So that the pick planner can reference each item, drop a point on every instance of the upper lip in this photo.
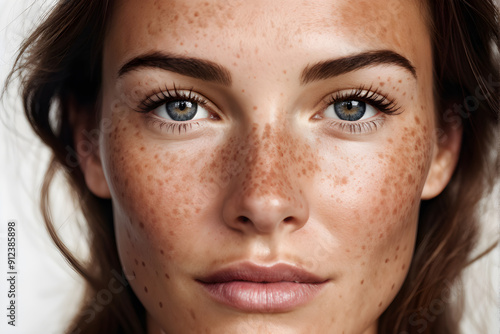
(250, 272)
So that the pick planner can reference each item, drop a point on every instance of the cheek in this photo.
(372, 191)
(150, 185)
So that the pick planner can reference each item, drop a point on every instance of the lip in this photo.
(254, 288)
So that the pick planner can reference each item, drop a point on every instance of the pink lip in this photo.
(253, 288)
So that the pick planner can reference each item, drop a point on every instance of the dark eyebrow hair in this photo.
(192, 67)
(331, 68)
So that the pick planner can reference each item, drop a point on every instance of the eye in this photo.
(181, 110)
(350, 110)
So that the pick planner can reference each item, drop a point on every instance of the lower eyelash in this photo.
(170, 126)
(357, 127)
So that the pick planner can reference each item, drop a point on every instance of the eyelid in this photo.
(162, 96)
(373, 97)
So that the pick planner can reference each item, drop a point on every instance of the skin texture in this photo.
(312, 194)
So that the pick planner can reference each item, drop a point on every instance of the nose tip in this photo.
(266, 214)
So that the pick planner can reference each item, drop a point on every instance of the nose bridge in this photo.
(266, 173)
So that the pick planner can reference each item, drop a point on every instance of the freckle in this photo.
(136, 262)
(403, 266)
(254, 107)
(242, 90)
(133, 273)
(141, 224)
(344, 180)
(396, 257)
(162, 252)
(381, 235)
(397, 248)
(146, 289)
(379, 305)
(166, 276)
(142, 148)
(161, 304)
(191, 312)
(390, 140)
(196, 14)
(363, 247)
(400, 81)
(382, 83)
(284, 71)
(196, 45)
(362, 281)
(386, 260)
(143, 264)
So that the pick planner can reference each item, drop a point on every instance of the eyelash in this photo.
(367, 95)
(168, 95)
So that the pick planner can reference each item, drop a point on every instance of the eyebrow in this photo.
(192, 67)
(332, 68)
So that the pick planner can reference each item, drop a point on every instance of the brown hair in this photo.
(61, 62)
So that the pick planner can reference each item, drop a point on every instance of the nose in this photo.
(267, 195)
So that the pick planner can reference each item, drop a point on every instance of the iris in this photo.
(350, 110)
(181, 110)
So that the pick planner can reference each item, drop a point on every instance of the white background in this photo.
(48, 292)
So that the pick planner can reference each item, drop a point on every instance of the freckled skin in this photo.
(266, 181)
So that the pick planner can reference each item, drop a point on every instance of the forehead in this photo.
(272, 30)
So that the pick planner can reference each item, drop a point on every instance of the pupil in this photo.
(182, 106)
(349, 105)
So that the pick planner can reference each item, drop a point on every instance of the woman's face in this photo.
(266, 159)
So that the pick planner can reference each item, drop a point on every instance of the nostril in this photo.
(243, 219)
(288, 219)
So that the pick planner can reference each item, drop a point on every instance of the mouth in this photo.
(252, 288)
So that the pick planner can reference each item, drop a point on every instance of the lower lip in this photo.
(263, 297)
